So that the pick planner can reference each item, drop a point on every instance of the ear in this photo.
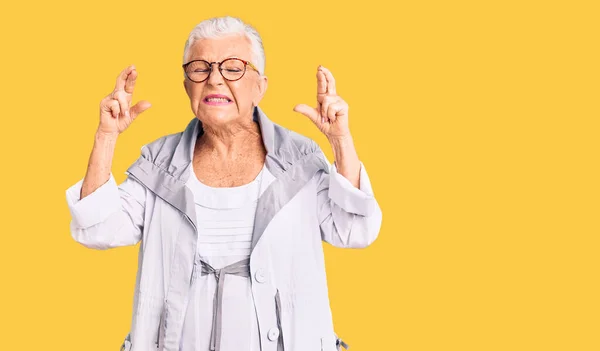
(261, 86)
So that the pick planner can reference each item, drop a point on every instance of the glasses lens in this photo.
(197, 71)
(233, 69)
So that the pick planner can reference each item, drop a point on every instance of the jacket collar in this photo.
(166, 164)
(180, 164)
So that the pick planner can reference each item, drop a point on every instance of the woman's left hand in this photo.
(331, 113)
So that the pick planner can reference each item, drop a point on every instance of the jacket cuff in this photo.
(95, 207)
(360, 200)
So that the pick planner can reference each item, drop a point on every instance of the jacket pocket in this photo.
(278, 313)
(126, 346)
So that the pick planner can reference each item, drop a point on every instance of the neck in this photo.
(231, 141)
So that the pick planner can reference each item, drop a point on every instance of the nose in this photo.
(215, 77)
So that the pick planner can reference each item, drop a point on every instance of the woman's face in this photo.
(242, 94)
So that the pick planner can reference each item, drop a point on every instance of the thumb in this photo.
(308, 111)
(140, 107)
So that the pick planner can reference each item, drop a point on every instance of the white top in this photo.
(225, 218)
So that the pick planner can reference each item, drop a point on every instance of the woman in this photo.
(230, 212)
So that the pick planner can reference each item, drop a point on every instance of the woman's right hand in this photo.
(115, 111)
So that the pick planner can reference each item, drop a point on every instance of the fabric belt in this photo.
(241, 269)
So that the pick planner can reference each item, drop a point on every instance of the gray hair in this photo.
(220, 27)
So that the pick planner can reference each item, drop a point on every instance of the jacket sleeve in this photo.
(111, 216)
(349, 217)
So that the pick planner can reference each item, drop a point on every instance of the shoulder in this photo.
(293, 145)
(295, 148)
(159, 150)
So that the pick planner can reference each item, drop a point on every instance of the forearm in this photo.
(346, 159)
(99, 164)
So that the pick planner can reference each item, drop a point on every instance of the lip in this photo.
(217, 103)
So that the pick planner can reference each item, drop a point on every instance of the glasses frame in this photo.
(220, 64)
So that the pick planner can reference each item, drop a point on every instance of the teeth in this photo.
(217, 99)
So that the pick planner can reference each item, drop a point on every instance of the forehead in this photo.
(221, 48)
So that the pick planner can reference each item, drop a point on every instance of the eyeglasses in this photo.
(231, 69)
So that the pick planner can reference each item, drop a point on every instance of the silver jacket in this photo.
(307, 203)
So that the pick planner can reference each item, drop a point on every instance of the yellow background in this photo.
(478, 122)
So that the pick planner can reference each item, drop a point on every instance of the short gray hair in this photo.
(219, 27)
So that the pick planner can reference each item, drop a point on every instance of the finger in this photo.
(130, 82)
(324, 118)
(333, 110)
(120, 97)
(327, 100)
(140, 107)
(331, 90)
(113, 107)
(122, 78)
(321, 84)
(308, 111)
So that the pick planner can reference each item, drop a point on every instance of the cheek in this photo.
(244, 93)
(196, 93)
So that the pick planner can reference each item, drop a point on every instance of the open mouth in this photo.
(217, 100)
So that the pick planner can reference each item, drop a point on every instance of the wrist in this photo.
(104, 137)
(340, 141)
(344, 153)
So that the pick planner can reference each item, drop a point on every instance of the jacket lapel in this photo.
(282, 190)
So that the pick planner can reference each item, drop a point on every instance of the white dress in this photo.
(225, 218)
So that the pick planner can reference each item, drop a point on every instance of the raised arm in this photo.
(349, 215)
(105, 215)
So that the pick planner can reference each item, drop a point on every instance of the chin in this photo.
(215, 117)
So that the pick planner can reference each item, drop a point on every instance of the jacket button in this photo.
(273, 334)
(260, 276)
